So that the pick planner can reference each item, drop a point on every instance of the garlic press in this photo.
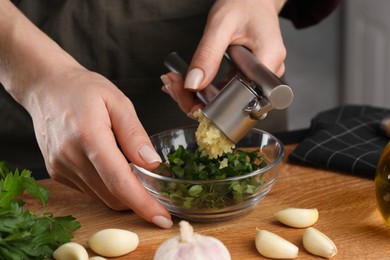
(242, 93)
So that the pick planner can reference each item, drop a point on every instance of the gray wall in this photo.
(313, 68)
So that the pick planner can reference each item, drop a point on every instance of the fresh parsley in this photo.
(184, 164)
(23, 233)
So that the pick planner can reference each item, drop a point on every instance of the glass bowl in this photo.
(219, 198)
(382, 184)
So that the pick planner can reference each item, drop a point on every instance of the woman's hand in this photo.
(251, 23)
(86, 128)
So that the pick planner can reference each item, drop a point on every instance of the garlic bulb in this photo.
(297, 217)
(318, 243)
(271, 245)
(191, 246)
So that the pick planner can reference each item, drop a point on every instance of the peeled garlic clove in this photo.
(318, 243)
(113, 242)
(191, 246)
(97, 258)
(70, 251)
(296, 217)
(273, 246)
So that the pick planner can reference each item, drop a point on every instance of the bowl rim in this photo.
(278, 159)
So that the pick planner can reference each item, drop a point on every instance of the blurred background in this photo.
(343, 60)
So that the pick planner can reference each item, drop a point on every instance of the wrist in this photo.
(27, 55)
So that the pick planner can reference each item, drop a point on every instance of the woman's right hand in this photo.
(250, 23)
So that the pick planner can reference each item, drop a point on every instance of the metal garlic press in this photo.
(242, 93)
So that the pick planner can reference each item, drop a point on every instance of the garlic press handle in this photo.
(176, 64)
(278, 94)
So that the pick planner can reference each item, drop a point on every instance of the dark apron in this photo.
(127, 41)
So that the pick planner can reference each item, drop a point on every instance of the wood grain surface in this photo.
(347, 207)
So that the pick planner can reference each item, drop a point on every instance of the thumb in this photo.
(206, 60)
(113, 167)
(132, 137)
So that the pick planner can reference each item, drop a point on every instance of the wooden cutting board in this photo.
(347, 207)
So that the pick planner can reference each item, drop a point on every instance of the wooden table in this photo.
(348, 215)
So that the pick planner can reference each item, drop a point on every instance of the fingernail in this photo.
(191, 115)
(162, 222)
(165, 89)
(148, 154)
(164, 78)
(168, 89)
(193, 79)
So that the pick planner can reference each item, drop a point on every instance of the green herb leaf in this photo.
(184, 164)
(195, 190)
(24, 234)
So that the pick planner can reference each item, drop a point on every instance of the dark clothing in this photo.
(304, 13)
(129, 39)
(121, 39)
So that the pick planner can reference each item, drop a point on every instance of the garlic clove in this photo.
(97, 258)
(113, 242)
(191, 246)
(318, 243)
(297, 217)
(271, 245)
(70, 251)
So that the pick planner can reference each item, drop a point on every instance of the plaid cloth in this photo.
(347, 139)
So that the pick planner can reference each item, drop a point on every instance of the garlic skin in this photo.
(113, 242)
(318, 243)
(70, 251)
(273, 246)
(191, 246)
(297, 217)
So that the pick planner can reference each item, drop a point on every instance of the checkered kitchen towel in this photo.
(347, 139)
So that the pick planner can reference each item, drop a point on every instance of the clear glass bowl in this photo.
(222, 202)
(382, 184)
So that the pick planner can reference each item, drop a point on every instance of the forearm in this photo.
(26, 54)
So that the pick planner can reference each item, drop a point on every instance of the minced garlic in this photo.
(210, 139)
(224, 163)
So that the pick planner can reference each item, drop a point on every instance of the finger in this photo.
(173, 84)
(273, 58)
(272, 51)
(75, 183)
(74, 169)
(129, 132)
(82, 173)
(59, 178)
(207, 57)
(281, 70)
(122, 183)
(113, 167)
